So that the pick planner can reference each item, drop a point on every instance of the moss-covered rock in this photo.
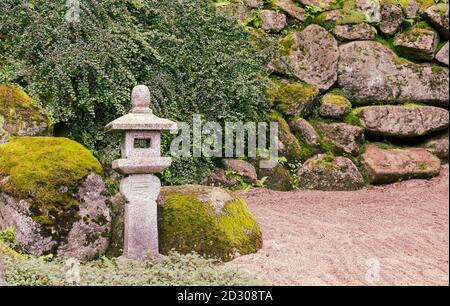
(293, 98)
(19, 116)
(50, 189)
(208, 220)
(277, 178)
(334, 105)
(288, 145)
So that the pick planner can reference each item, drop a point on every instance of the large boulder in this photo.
(334, 105)
(403, 121)
(358, 31)
(371, 9)
(276, 178)
(391, 18)
(437, 15)
(438, 145)
(312, 56)
(345, 138)
(51, 192)
(329, 173)
(370, 72)
(417, 43)
(411, 7)
(288, 145)
(210, 221)
(272, 21)
(19, 116)
(292, 9)
(293, 98)
(241, 167)
(385, 166)
(305, 131)
(442, 54)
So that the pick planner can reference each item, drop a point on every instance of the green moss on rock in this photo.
(46, 172)
(19, 116)
(211, 221)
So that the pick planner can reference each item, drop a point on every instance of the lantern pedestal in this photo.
(141, 218)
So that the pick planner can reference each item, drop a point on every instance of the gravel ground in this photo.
(387, 235)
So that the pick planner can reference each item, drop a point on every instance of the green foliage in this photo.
(46, 172)
(172, 270)
(82, 73)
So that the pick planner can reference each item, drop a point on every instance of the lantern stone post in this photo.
(141, 159)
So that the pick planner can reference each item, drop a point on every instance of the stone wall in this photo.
(360, 89)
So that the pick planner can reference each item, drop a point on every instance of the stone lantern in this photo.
(141, 158)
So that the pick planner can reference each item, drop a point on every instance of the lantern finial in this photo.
(140, 100)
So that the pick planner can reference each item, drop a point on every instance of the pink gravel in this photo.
(388, 235)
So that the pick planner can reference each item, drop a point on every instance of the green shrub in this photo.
(82, 73)
(173, 270)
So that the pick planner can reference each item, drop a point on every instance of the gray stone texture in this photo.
(242, 167)
(403, 121)
(417, 43)
(141, 229)
(291, 9)
(345, 137)
(371, 9)
(385, 166)
(359, 31)
(369, 72)
(324, 172)
(442, 55)
(391, 19)
(305, 131)
(437, 15)
(272, 21)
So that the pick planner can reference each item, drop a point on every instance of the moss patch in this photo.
(16, 105)
(46, 172)
(210, 221)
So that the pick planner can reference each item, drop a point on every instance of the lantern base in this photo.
(142, 165)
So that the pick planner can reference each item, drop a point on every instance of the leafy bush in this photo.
(82, 72)
(172, 270)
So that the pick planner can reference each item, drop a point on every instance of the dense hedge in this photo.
(82, 73)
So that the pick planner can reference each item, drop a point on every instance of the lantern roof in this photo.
(141, 116)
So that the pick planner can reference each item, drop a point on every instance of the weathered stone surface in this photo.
(86, 237)
(391, 19)
(235, 11)
(51, 191)
(241, 167)
(140, 220)
(385, 166)
(293, 98)
(417, 43)
(411, 9)
(18, 115)
(325, 172)
(369, 71)
(403, 121)
(2, 272)
(218, 178)
(254, 3)
(438, 146)
(359, 31)
(442, 55)
(210, 221)
(313, 56)
(277, 178)
(438, 16)
(321, 4)
(306, 132)
(292, 9)
(334, 105)
(371, 8)
(272, 21)
(288, 144)
(346, 138)
(89, 234)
